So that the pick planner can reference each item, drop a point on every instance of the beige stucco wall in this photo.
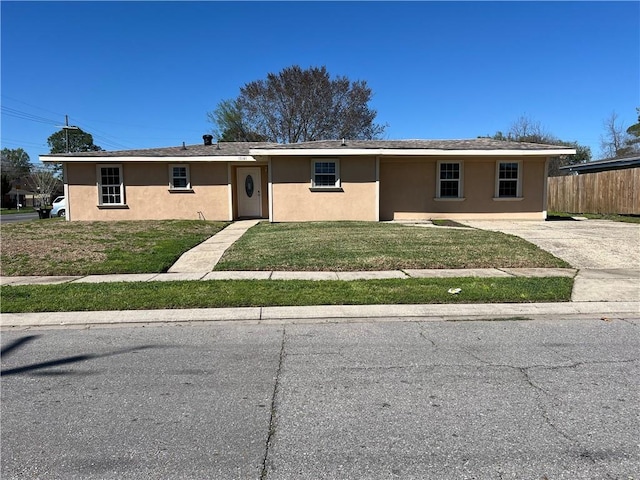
(408, 190)
(147, 193)
(293, 200)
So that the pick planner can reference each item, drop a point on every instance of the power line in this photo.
(99, 135)
(30, 105)
(21, 143)
(12, 112)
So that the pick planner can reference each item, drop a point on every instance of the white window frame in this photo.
(120, 186)
(337, 183)
(499, 180)
(460, 180)
(172, 177)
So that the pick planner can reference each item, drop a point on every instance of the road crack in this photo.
(273, 413)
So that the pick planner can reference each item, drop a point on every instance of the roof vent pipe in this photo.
(208, 139)
(344, 142)
(184, 147)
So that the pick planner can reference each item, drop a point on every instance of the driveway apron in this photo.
(606, 253)
(593, 244)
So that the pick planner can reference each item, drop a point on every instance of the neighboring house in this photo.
(603, 165)
(610, 186)
(18, 196)
(369, 180)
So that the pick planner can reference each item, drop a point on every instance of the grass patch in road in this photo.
(595, 216)
(352, 246)
(55, 247)
(262, 293)
(448, 223)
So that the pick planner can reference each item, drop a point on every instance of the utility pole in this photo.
(66, 131)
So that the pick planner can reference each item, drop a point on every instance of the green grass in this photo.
(13, 211)
(349, 246)
(595, 216)
(447, 223)
(55, 247)
(252, 293)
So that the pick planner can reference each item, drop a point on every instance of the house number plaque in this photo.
(248, 186)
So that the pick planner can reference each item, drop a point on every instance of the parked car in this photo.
(59, 207)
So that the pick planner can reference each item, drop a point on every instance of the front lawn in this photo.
(352, 246)
(56, 247)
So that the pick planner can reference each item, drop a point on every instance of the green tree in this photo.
(633, 133)
(15, 166)
(297, 105)
(5, 187)
(525, 129)
(15, 163)
(78, 141)
(231, 127)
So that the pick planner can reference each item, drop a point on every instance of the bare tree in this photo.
(525, 129)
(297, 105)
(44, 183)
(615, 140)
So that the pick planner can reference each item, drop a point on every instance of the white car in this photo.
(59, 207)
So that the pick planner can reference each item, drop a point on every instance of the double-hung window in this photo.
(508, 179)
(449, 180)
(110, 185)
(179, 177)
(325, 174)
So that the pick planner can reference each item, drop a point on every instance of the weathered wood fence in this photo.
(614, 191)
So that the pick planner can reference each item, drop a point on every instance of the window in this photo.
(449, 180)
(179, 177)
(508, 180)
(325, 174)
(110, 186)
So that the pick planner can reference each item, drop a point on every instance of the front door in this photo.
(248, 183)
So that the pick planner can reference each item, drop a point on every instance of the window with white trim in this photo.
(325, 174)
(508, 179)
(449, 180)
(110, 185)
(179, 178)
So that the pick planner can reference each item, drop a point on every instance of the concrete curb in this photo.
(328, 313)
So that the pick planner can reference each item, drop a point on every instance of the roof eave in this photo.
(146, 159)
(408, 152)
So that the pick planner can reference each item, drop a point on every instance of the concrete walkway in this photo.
(202, 258)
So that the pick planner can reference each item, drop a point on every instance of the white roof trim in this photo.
(315, 152)
(145, 159)
(407, 152)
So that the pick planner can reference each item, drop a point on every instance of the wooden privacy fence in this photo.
(614, 191)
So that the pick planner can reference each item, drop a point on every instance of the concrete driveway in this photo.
(606, 253)
(585, 244)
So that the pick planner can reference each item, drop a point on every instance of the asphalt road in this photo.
(372, 400)
(18, 217)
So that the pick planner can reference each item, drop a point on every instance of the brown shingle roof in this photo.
(244, 148)
(220, 149)
(465, 144)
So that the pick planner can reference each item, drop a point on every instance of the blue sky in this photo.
(145, 74)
